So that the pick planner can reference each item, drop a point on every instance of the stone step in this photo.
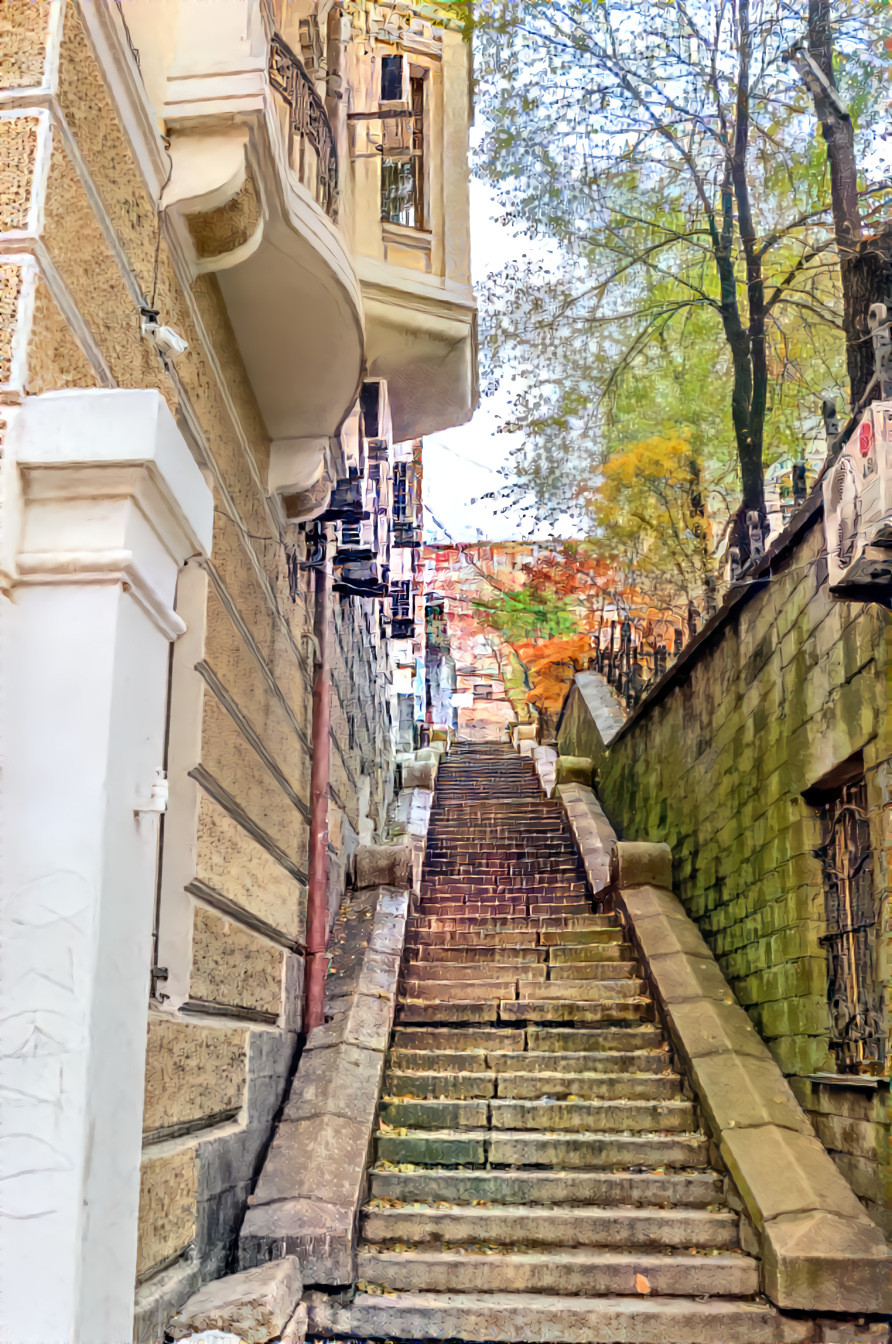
(554, 1320)
(570, 1063)
(469, 954)
(458, 1011)
(573, 937)
(571, 1272)
(431, 1085)
(455, 1013)
(584, 990)
(596, 988)
(605, 968)
(490, 970)
(588, 1086)
(438, 1061)
(615, 1115)
(681, 1189)
(416, 988)
(523, 937)
(584, 919)
(576, 953)
(572, 1010)
(418, 937)
(452, 859)
(448, 1038)
(433, 1114)
(562, 1151)
(532, 1086)
(592, 970)
(555, 895)
(557, 1040)
(533, 1225)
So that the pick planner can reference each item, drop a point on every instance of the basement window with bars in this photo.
(857, 1028)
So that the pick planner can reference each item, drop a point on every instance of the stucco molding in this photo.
(104, 495)
(83, 710)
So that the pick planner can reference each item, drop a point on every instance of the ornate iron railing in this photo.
(857, 1030)
(309, 125)
(630, 660)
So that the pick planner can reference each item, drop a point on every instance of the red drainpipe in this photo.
(317, 891)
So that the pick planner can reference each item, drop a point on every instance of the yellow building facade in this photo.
(235, 274)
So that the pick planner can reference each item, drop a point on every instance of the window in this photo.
(857, 1035)
(391, 79)
(400, 492)
(402, 177)
(370, 406)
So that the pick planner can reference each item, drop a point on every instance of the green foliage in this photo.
(611, 137)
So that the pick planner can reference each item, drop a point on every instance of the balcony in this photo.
(255, 191)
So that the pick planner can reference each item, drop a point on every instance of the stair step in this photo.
(535, 1226)
(586, 1086)
(462, 989)
(456, 1011)
(557, 1040)
(572, 1010)
(511, 923)
(432, 1085)
(555, 1319)
(571, 1063)
(491, 970)
(591, 970)
(424, 1010)
(678, 1189)
(456, 1038)
(572, 1272)
(506, 1148)
(591, 988)
(471, 955)
(613, 1115)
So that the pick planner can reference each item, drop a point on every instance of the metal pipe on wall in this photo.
(317, 891)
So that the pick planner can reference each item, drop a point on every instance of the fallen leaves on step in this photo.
(641, 1284)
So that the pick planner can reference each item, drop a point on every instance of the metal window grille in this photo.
(856, 1006)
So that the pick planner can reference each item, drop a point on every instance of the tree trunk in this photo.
(751, 468)
(839, 135)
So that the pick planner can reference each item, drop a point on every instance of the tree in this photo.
(666, 155)
(652, 523)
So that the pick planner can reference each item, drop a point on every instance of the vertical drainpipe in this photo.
(317, 892)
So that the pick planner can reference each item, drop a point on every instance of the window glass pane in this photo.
(391, 79)
(398, 194)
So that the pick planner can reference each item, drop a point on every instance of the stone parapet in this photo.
(313, 1182)
(819, 1249)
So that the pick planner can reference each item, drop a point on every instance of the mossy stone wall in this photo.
(792, 684)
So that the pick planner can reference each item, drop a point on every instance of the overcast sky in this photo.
(461, 465)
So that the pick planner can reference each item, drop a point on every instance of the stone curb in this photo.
(820, 1251)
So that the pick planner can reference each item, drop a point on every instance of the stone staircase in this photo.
(539, 1174)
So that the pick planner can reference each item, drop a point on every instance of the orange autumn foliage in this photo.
(552, 665)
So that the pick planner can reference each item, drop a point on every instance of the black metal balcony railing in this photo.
(309, 125)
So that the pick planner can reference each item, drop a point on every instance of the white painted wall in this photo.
(103, 504)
